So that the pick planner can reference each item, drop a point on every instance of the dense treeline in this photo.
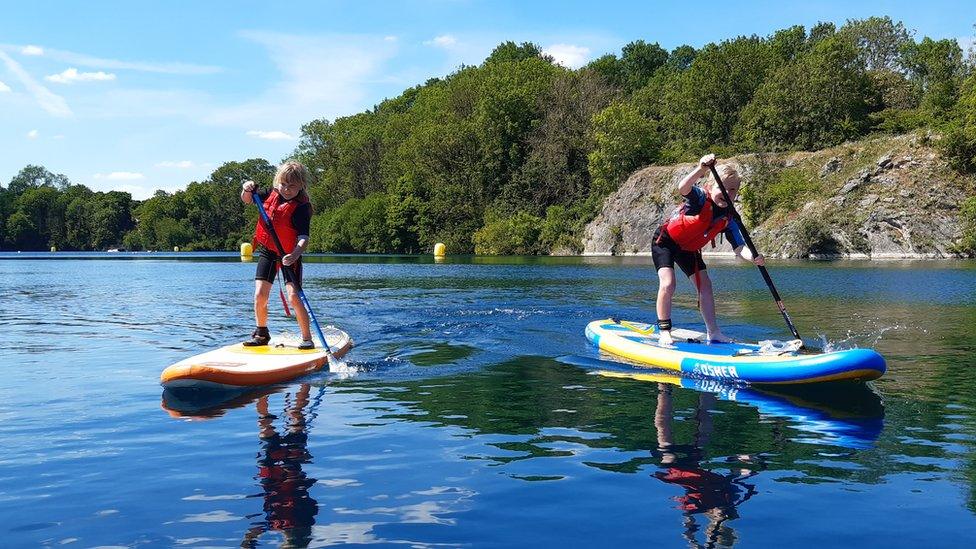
(515, 155)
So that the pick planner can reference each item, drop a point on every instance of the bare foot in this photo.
(718, 337)
(664, 338)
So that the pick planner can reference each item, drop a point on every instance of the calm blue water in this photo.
(472, 419)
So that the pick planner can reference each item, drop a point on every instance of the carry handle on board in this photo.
(289, 274)
(752, 248)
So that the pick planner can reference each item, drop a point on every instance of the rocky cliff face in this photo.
(888, 197)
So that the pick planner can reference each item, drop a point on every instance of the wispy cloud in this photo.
(32, 134)
(445, 41)
(120, 176)
(89, 61)
(568, 55)
(54, 104)
(70, 76)
(181, 164)
(4, 87)
(272, 135)
(321, 76)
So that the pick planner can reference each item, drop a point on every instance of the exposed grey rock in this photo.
(884, 161)
(832, 166)
(850, 186)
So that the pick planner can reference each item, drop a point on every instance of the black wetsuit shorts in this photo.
(269, 263)
(666, 253)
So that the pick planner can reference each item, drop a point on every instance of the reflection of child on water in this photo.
(706, 492)
(288, 507)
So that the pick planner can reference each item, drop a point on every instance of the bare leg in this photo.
(300, 313)
(707, 304)
(262, 289)
(665, 293)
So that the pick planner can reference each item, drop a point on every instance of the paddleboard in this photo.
(236, 366)
(691, 355)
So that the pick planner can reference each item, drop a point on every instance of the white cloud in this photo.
(4, 87)
(83, 60)
(390, 38)
(445, 41)
(54, 104)
(70, 76)
(273, 135)
(967, 43)
(32, 134)
(120, 176)
(181, 164)
(568, 55)
(320, 76)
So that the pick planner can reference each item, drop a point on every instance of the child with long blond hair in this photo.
(290, 211)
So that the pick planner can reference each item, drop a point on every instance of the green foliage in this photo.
(517, 234)
(813, 237)
(705, 101)
(936, 68)
(967, 216)
(359, 225)
(819, 100)
(623, 141)
(879, 42)
(959, 142)
(769, 191)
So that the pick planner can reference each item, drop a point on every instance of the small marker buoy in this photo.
(440, 250)
(246, 249)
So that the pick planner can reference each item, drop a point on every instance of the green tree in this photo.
(624, 140)
(879, 42)
(705, 101)
(819, 100)
(639, 61)
(936, 67)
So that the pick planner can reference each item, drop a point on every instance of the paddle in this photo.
(289, 275)
(752, 248)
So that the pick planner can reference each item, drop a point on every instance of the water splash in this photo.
(853, 340)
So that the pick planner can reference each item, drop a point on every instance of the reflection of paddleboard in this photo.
(846, 414)
(731, 361)
(236, 366)
(204, 403)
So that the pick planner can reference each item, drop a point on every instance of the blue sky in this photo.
(139, 96)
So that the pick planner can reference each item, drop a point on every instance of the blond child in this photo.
(290, 211)
(702, 216)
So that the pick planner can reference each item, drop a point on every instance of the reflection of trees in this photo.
(527, 398)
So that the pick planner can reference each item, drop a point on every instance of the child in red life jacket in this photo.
(703, 216)
(290, 212)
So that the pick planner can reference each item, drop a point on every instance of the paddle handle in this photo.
(286, 270)
(755, 253)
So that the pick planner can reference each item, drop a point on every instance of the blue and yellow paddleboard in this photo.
(690, 355)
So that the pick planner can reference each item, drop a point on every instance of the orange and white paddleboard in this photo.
(236, 366)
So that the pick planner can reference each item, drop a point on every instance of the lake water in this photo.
(466, 418)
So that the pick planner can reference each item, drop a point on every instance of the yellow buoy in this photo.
(176, 248)
(440, 250)
(54, 248)
(246, 249)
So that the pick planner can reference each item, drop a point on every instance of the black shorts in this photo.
(665, 253)
(268, 264)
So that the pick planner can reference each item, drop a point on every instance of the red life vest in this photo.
(692, 232)
(279, 210)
